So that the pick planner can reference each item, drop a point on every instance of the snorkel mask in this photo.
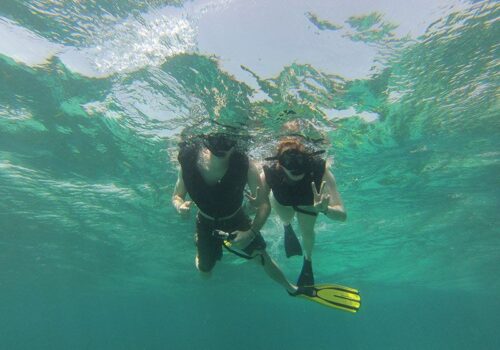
(295, 161)
(218, 144)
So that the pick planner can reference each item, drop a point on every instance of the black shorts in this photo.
(209, 248)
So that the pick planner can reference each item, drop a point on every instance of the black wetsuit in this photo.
(223, 199)
(295, 193)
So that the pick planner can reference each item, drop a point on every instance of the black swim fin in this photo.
(332, 295)
(306, 277)
(292, 244)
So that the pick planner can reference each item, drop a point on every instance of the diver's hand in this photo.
(321, 200)
(184, 208)
(243, 238)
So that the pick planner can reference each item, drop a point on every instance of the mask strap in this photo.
(321, 151)
(276, 157)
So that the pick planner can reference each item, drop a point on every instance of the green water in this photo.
(94, 96)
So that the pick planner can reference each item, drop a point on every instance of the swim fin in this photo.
(292, 244)
(306, 277)
(332, 295)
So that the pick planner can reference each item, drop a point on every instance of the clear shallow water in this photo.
(93, 98)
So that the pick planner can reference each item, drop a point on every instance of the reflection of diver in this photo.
(214, 172)
(301, 183)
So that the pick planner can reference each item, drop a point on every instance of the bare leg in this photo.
(285, 213)
(273, 271)
(306, 224)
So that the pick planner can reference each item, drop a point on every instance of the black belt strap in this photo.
(240, 254)
(304, 211)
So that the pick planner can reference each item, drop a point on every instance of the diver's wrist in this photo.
(178, 202)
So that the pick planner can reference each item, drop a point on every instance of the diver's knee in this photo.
(204, 268)
(307, 231)
(260, 257)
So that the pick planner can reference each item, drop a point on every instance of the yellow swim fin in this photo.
(332, 295)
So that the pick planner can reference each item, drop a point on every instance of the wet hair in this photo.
(289, 143)
(294, 156)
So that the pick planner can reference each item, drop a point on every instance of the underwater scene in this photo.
(95, 97)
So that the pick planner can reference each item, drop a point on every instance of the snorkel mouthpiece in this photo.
(296, 172)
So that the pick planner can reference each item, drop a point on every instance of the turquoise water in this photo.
(94, 96)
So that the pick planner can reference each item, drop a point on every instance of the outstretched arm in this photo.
(261, 197)
(178, 198)
(261, 201)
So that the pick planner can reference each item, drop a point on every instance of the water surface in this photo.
(94, 96)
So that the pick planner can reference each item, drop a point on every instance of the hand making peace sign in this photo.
(321, 199)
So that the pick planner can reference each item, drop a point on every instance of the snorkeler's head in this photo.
(293, 156)
(295, 161)
(219, 143)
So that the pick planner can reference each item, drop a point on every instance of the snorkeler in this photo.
(214, 172)
(301, 184)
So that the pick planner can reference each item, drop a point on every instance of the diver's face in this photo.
(222, 154)
(294, 163)
(219, 145)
